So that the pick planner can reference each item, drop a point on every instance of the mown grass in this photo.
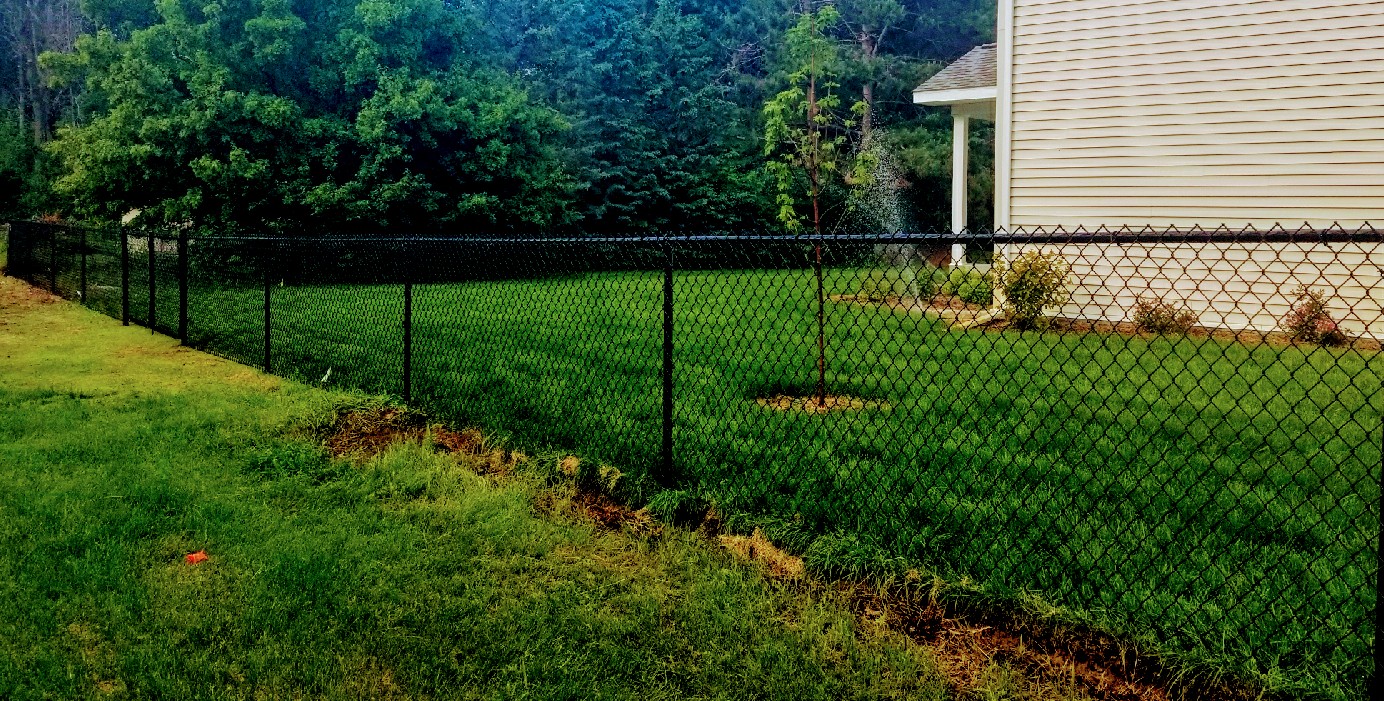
(1214, 498)
(405, 576)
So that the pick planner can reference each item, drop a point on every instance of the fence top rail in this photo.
(1032, 236)
(1367, 233)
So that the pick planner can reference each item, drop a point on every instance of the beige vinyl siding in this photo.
(1186, 113)
(1227, 286)
(1193, 112)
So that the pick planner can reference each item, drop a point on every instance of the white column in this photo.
(961, 159)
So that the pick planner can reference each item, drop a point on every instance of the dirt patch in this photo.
(15, 294)
(611, 515)
(756, 548)
(811, 405)
(970, 643)
(363, 434)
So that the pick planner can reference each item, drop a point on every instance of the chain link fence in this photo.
(1172, 436)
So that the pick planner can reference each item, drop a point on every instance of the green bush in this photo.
(1157, 316)
(1032, 282)
(972, 286)
(879, 284)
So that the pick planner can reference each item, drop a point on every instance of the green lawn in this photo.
(1213, 497)
(406, 576)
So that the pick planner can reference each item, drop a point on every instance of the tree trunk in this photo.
(867, 117)
(868, 48)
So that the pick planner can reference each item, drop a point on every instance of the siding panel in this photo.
(1193, 112)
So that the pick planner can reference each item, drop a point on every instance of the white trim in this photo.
(976, 110)
(951, 97)
(1004, 114)
(961, 161)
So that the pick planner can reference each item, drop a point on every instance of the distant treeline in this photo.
(578, 116)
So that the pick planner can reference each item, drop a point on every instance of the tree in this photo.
(868, 23)
(244, 115)
(805, 139)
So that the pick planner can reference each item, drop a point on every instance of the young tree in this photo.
(805, 139)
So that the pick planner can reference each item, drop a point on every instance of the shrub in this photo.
(1157, 316)
(977, 290)
(971, 286)
(1031, 282)
(1309, 320)
(906, 281)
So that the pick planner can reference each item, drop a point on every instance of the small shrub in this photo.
(907, 281)
(1157, 316)
(1310, 321)
(971, 286)
(1032, 282)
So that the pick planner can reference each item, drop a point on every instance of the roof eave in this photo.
(940, 98)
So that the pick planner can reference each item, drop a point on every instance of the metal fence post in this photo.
(124, 276)
(153, 288)
(667, 477)
(53, 261)
(182, 287)
(268, 300)
(1377, 683)
(408, 340)
(82, 282)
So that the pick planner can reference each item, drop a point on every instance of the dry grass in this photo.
(758, 549)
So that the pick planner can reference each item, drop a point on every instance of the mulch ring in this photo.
(935, 303)
(811, 405)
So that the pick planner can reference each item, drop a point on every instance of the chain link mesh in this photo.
(1183, 447)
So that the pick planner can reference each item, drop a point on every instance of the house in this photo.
(1182, 115)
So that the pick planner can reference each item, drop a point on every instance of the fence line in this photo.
(1184, 448)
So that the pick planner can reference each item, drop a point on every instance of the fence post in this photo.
(82, 283)
(124, 276)
(408, 339)
(268, 300)
(153, 288)
(667, 478)
(1377, 684)
(53, 260)
(182, 287)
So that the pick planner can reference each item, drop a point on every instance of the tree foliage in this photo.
(577, 115)
(806, 131)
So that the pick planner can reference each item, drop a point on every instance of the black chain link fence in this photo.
(1182, 445)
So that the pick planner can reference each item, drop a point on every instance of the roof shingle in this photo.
(974, 70)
